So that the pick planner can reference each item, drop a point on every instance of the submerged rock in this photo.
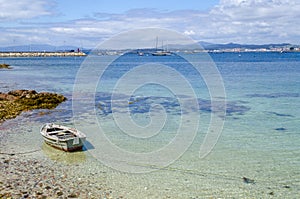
(248, 180)
(281, 129)
(14, 102)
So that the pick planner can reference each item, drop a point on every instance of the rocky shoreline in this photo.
(34, 173)
(15, 102)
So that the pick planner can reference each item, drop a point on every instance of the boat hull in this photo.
(63, 138)
(67, 145)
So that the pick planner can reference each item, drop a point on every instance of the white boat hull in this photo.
(64, 138)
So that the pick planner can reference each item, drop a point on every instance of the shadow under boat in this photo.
(74, 157)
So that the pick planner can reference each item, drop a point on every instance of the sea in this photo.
(189, 125)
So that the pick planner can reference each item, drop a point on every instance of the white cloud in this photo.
(23, 9)
(189, 32)
(242, 21)
(258, 21)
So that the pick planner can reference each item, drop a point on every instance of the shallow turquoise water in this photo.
(260, 139)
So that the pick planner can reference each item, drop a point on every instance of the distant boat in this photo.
(161, 52)
(62, 137)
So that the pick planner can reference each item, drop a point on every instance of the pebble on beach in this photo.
(22, 176)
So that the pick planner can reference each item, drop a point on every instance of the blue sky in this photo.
(88, 22)
(70, 8)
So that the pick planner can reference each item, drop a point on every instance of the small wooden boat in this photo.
(62, 137)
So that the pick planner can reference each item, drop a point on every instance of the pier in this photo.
(42, 54)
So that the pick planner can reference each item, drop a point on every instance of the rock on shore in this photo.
(5, 66)
(14, 102)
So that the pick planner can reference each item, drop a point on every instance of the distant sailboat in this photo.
(161, 52)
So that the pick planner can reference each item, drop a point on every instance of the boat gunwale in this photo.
(60, 142)
(72, 131)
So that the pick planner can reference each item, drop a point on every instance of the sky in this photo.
(85, 23)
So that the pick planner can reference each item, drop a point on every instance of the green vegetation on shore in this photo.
(15, 102)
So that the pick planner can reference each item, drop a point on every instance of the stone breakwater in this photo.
(42, 54)
(14, 102)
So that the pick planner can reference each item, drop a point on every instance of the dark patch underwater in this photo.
(141, 105)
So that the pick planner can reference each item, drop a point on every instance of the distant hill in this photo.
(210, 46)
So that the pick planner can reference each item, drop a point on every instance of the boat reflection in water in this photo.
(61, 156)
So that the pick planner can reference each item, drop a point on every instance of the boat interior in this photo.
(60, 133)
